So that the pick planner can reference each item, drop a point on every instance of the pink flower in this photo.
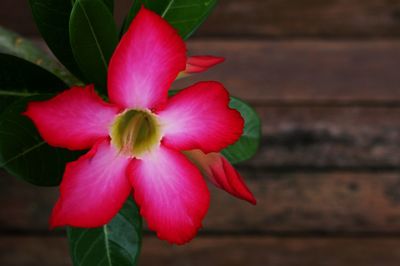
(141, 141)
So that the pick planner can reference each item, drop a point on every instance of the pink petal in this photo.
(197, 64)
(221, 173)
(199, 118)
(146, 62)
(93, 188)
(171, 193)
(75, 119)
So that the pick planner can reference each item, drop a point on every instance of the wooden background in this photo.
(324, 75)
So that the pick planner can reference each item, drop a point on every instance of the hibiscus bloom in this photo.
(142, 142)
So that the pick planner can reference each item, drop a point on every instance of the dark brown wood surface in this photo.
(296, 202)
(305, 18)
(266, 18)
(222, 251)
(305, 71)
(329, 137)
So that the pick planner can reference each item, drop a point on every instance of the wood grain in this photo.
(305, 71)
(34, 251)
(257, 251)
(326, 137)
(267, 18)
(331, 203)
(304, 18)
(223, 251)
(338, 202)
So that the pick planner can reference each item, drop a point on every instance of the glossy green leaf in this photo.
(23, 153)
(20, 78)
(13, 44)
(52, 20)
(117, 243)
(93, 39)
(184, 15)
(249, 142)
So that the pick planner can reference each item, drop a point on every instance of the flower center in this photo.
(135, 132)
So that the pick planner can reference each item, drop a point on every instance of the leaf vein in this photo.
(103, 59)
(167, 8)
(108, 251)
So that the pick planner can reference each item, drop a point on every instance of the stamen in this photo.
(135, 132)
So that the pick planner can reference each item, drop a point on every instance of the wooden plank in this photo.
(270, 18)
(34, 251)
(237, 251)
(328, 137)
(304, 18)
(311, 202)
(287, 202)
(220, 251)
(23, 206)
(304, 71)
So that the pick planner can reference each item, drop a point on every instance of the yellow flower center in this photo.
(135, 132)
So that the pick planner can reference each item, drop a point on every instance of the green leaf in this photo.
(109, 4)
(20, 78)
(249, 142)
(93, 38)
(184, 15)
(117, 243)
(52, 20)
(24, 154)
(13, 44)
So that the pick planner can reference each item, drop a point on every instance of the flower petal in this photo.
(199, 117)
(171, 193)
(198, 64)
(146, 62)
(75, 119)
(221, 173)
(93, 188)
